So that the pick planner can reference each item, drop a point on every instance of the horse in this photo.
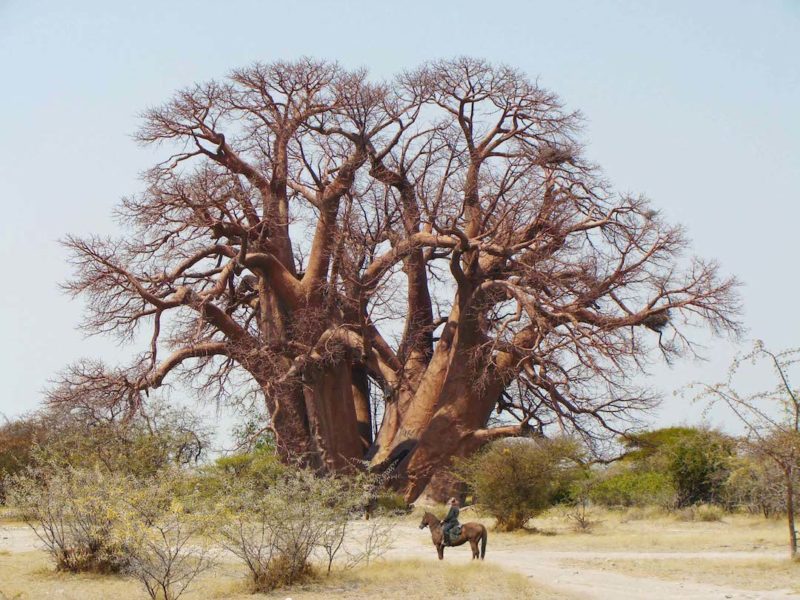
(470, 532)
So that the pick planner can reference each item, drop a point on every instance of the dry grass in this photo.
(655, 531)
(418, 579)
(746, 574)
(29, 576)
(8, 516)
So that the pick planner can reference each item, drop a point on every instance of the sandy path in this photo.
(548, 567)
(552, 569)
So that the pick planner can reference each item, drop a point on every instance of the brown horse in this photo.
(470, 532)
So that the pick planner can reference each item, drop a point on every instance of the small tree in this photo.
(515, 479)
(756, 485)
(375, 541)
(771, 418)
(274, 531)
(699, 465)
(578, 505)
(162, 534)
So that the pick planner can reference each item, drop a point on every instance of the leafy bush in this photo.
(141, 446)
(633, 488)
(73, 512)
(757, 486)
(672, 467)
(698, 465)
(391, 503)
(261, 466)
(695, 460)
(514, 480)
(18, 439)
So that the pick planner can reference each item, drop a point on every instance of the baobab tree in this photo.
(389, 264)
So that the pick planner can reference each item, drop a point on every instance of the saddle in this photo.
(451, 536)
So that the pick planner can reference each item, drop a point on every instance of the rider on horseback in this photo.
(450, 522)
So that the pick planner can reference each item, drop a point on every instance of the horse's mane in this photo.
(429, 516)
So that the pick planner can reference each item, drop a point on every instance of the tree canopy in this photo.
(386, 264)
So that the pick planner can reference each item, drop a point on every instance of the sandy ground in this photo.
(553, 568)
(560, 570)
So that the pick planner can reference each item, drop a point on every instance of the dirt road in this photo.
(553, 569)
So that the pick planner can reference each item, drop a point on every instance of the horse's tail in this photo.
(484, 535)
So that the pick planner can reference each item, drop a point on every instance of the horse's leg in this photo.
(474, 544)
(440, 550)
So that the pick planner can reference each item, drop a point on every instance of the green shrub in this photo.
(757, 486)
(164, 438)
(633, 488)
(698, 465)
(391, 503)
(696, 461)
(513, 480)
(18, 439)
(261, 466)
(73, 512)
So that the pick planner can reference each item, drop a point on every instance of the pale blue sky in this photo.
(694, 104)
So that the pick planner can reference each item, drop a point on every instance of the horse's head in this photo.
(427, 519)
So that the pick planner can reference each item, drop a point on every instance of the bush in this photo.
(141, 447)
(164, 438)
(702, 512)
(757, 486)
(262, 464)
(73, 512)
(632, 488)
(514, 480)
(18, 439)
(698, 465)
(391, 503)
(162, 537)
(695, 460)
(708, 513)
(274, 531)
(93, 521)
(262, 467)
